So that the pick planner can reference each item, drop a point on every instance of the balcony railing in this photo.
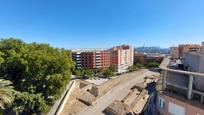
(190, 75)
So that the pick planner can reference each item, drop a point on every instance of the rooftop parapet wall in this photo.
(165, 63)
(89, 50)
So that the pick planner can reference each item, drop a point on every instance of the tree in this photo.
(100, 72)
(1, 59)
(109, 72)
(89, 72)
(133, 68)
(79, 72)
(138, 65)
(29, 103)
(136, 60)
(35, 68)
(152, 64)
(6, 93)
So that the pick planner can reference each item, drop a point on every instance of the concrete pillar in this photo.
(190, 86)
(164, 79)
(201, 100)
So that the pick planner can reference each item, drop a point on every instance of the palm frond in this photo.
(6, 93)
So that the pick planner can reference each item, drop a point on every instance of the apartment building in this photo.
(194, 62)
(140, 58)
(188, 48)
(144, 58)
(178, 52)
(177, 93)
(91, 58)
(122, 57)
(174, 52)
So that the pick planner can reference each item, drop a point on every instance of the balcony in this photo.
(187, 90)
(78, 56)
(98, 58)
(98, 66)
(98, 61)
(78, 65)
(78, 59)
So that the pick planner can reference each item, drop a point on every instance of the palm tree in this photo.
(6, 93)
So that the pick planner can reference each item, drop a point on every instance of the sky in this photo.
(103, 23)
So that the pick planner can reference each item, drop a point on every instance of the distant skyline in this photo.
(103, 23)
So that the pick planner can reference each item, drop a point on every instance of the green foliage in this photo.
(1, 59)
(88, 72)
(133, 68)
(137, 61)
(35, 68)
(79, 72)
(29, 103)
(112, 68)
(109, 72)
(100, 72)
(138, 65)
(6, 93)
(152, 64)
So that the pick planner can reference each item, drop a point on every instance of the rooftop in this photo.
(88, 50)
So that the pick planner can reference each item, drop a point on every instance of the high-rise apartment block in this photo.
(91, 58)
(122, 57)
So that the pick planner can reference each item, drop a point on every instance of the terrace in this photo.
(182, 84)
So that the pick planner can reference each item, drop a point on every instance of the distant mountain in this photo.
(153, 50)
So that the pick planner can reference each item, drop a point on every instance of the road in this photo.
(117, 93)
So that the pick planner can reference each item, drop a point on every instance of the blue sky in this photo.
(103, 23)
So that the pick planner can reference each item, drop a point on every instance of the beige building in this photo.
(122, 58)
(188, 48)
(178, 52)
(174, 51)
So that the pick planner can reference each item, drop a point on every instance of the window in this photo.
(176, 109)
(160, 103)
